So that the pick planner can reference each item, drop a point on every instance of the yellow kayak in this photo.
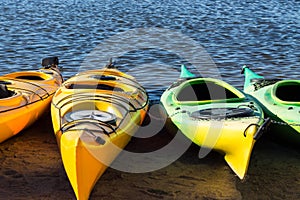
(216, 116)
(94, 115)
(24, 96)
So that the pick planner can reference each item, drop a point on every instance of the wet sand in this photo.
(31, 168)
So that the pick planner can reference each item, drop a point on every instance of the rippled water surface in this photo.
(151, 39)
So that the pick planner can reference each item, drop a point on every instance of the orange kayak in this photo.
(24, 96)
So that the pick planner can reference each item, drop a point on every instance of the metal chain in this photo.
(284, 123)
(235, 118)
(214, 119)
(181, 111)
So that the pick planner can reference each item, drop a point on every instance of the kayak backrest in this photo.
(50, 61)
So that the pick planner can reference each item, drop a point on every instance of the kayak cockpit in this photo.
(30, 75)
(207, 90)
(5, 92)
(287, 92)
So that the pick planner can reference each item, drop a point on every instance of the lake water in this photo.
(151, 39)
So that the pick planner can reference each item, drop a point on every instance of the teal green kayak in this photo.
(280, 100)
(216, 116)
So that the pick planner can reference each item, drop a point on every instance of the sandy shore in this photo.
(31, 168)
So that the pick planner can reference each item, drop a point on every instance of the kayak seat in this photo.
(289, 92)
(204, 91)
(4, 92)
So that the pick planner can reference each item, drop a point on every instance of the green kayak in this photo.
(216, 116)
(280, 100)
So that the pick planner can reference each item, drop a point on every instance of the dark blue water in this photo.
(149, 38)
